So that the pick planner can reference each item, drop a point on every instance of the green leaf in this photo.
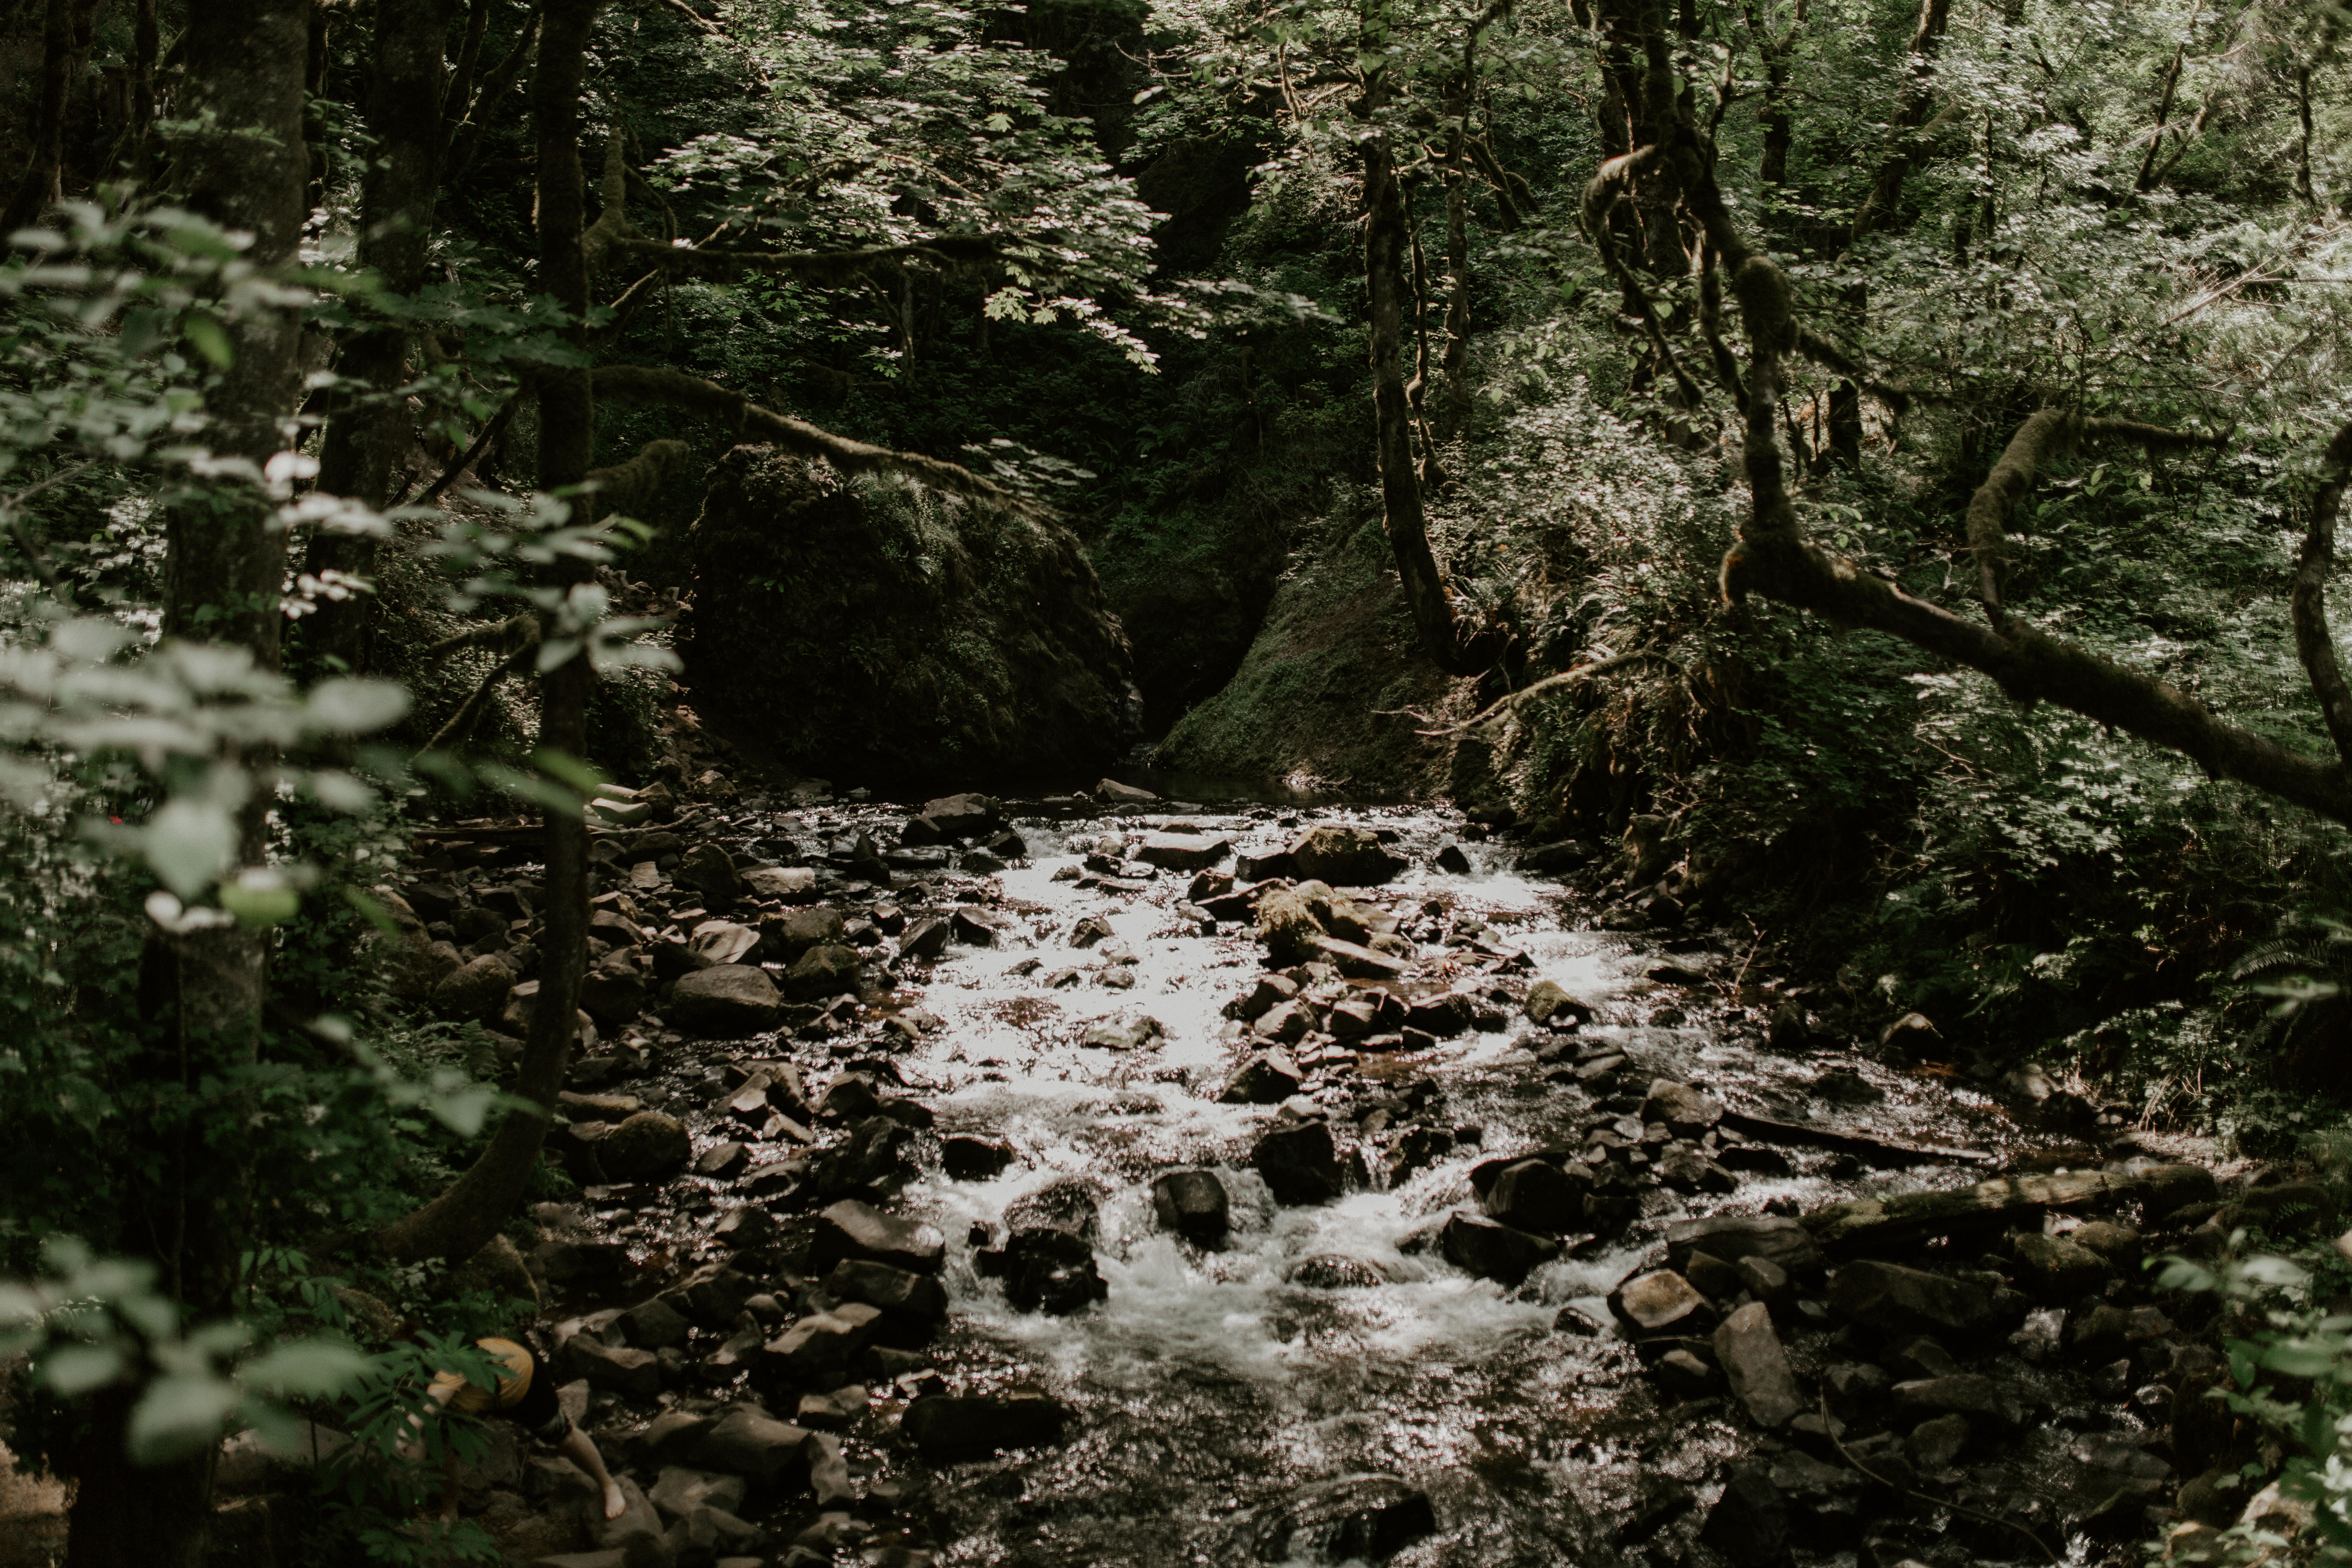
(312, 1368)
(258, 905)
(354, 707)
(188, 843)
(210, 339)
(179, 1414)
(75, 1370)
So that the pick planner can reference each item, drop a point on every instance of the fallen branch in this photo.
(1776, 1132)
(676, 389)
(1565, 678)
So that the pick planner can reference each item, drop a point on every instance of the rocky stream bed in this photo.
(1106, 1180)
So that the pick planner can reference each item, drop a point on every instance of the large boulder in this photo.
(645, 1147)
(1344, 856)
(899, 632)
(726, 1001)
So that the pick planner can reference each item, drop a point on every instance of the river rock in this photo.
(709, 870)
(1549, 999)
(1476, 1245)
(2052, 1268)
(1687, 1113)
(654, 1325)
(970, 1158)
(616, 1368)
(613, 994)
(644, 1148)
(1288, 927)
(853, 1229)
(726, 1001)
(713, 1294)
(913, 1305)
(1047, 1269)
(1344, 856)
(1935, 1445)
(825, 971)
(786, 937)
(1749, 1524)
(720, 941)
(476, 991)
(1193, 1204)
(1124, 1034)
(1362, 1518)
(1894, 1300)
(2118, 1245)
(791, 884)
(748, 1444)
(1980, 1399)
(1182, 851)
(1268, 1078)
(678, 1491)
(948, 1426)
(1270, 991)
(817, 1351)
(965, 815)
(1660, 1303)
(1359, 962)
(1536, 1195)
(1756, 1367)
(925, 940)
(1731, 1237)
(1300, 1164)
(1454, 860)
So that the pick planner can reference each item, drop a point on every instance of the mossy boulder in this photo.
(861, 626)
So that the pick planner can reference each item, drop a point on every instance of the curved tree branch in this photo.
(2315, 644)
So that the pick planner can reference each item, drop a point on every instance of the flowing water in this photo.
(1209, 1386)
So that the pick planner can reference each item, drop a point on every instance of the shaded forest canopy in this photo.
(1861, 473)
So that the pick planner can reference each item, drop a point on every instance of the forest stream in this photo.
(1358, 1364)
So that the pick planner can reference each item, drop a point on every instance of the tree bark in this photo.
(2315, 644)
(367, 434)
(461, 1221)
(1459, 648)
(37, 187)
(224, 565)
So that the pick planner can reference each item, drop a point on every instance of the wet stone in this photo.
(1182, 851)
(1687, 1113)
(1335, 1271)
(1365, 1518)
(1268, 1078)
(618, 1369)
(1046, 1270)
(1660, 1303)
(1749, 1524)
(1476, 1245)
(644, 1147)
(1300, 1164)
(1193, 1204)
(948, 1426)
(2054, 1268)
(853, 1229)
(1935, 1445)
(1756, 1367)
(1536, 1195)
(817, 1351)
(826, 971)
(1980, 1399)
(1548, 1000)
(726, 1001)
(969, 1159)
(913, 1305)
(655, 1324)
(1128, 1034)
(678, 1491)
(748, 1444)
(1682, 1376)
(925, 940)
(1892, 1299)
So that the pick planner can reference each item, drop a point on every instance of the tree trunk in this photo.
(1458, 650)
(224, 570)
(37, 187)
(367, 434)
(462, 1220)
